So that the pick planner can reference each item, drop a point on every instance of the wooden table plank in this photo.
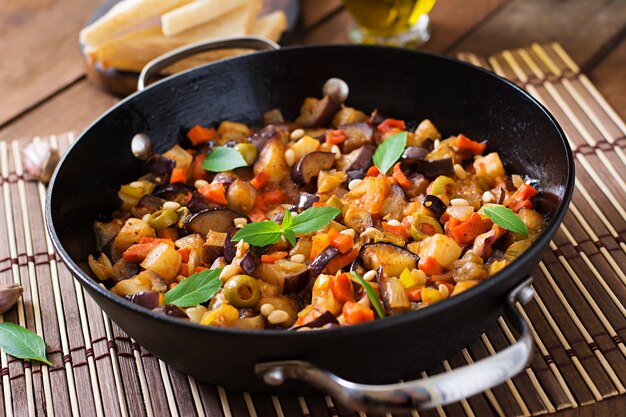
(610, 78)
(72, 109)
(39, 50)
(582, 27)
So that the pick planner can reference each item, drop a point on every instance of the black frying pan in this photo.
(457, 97)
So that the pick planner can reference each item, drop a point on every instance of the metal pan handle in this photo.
(244, 42)
(425, 393)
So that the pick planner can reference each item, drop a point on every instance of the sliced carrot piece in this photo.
(256, 215)
(199, 134)
(341, 286)
(335, 137)
(354, 313)
(179, 175)
(521, 198)
(274, 197)
(373, 171)
(403, 181)
(273, 257)
(388, 124)
(214, 192)
(342, 242)
(463, 142)
(260, 179)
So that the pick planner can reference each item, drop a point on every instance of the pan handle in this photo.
(425, 393)
(243, 42)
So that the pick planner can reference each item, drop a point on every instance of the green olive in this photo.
(242, 291)
(248, 151)
(443, 186)
(424, 226)
(163, 218)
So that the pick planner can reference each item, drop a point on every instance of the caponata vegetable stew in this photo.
(334, 219)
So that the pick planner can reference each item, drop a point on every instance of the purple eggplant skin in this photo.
(250, 261)
(357, 136)
(319, 263)
(198, 203)
(161, 168)
(310, 166)
(224, 178)
(261, 137)
(147, 299)
(171, 310)
(435, 204)
(326, 318)
(218, 220)
(377, 117)
(306, 200)
(171, 191)
(293, 284)
(362, 159)
(429, 169)
(151, 202)
(230, 247)
(419, 184)
(393, 259)
(356, 174)
(415, 153)
(317, 112)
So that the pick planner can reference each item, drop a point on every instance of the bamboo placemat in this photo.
(578, 316)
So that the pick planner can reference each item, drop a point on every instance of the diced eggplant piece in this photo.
(435, 204)
(393, 295)
(393, 259)
(161, 168)
(319, 263)
(123, 270)
(145, 281)
(316, 112)
(393, 205)
(306, 201)
(419, 184)
(105, 232)
(358, 219)
(224, 178)
(376, 117)
(213, 248)
(326, 318)
(310, 166)
(289, 277)
(430, 169)
(171, 310)
(172, 191)
(230, 247)
(250, 261)
(151, 202)
(415, 153)
(358, 159)
(278, 213)
(198, 203)
(262, 136)
(147, 299)
(274, 116)
(483, 244)
(218, 220)
(357, 135)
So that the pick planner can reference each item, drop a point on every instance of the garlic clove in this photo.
(9, 294)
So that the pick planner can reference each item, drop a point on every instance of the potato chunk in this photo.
(132, 232)
(489, 167)
(164, 260)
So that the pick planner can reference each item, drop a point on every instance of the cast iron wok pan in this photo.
(409, 85)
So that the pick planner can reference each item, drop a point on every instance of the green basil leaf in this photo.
(223, 159)
(259, 233)
(195, 289)
(371, 294)
(388, 153)
(504, 217)
(313, 219)
(287, 220)
(290, 236)
(22, 343)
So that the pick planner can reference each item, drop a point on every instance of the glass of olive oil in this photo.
(402, 23)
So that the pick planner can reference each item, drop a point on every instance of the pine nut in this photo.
(354, 183)
(460, 172)
(335, 149)
(290, 157)
(418, 276)
(517, 181)
(242, 249)
(266, 309)
(394, 222)
(372, 233)
(369, 275)
(200, 183)
(459, 202)
(488, 197)
(172, 205)
(146, 217)
(136, 184)
(240, 222)
(349, 232)
(229, 271)
(443, 290)
(298, 258)
(297, 134)
(278, 317)
(436, 143)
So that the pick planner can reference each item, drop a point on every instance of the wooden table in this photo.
(44, 89)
